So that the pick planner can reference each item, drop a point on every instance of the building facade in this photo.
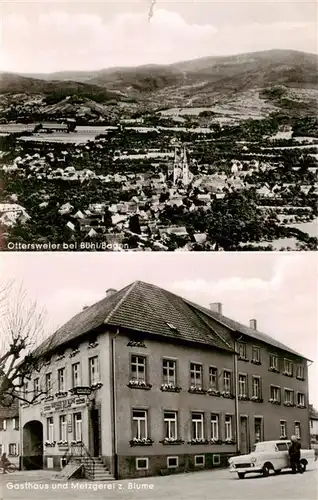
(153, 383)
(9, 432)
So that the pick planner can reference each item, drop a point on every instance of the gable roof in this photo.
(235, 326)
(147, 308)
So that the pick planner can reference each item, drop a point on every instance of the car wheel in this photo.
(303, 465)
(266, 471)
(278, 471)
(241, 475)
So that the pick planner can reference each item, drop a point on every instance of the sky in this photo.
(46, 36)
(278, 290)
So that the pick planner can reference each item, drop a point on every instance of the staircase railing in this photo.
(78, 451)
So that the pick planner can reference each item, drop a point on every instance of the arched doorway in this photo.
(32, 456)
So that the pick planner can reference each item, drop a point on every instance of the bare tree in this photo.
(21, 333)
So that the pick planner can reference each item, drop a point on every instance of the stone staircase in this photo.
(94, 472)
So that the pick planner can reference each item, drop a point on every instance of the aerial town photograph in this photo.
(158, 126)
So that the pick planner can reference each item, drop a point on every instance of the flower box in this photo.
(61, 394)
(214, 392)
(275, 370)
(94, 387)
(301, 406)
(274, 401)
(74, 352)
(199, 441)
(168, 441)
(227, 394)
(170, 388)
(255, 362)
(77, 443)
(50, 444)
(141, 442)
(62, 444)
(136, 343)
(243, 398)
(230, 441)
(289, 404)
(139, 384)
(49, 398)
(196, 390)
(300, 378)
(255, 399)
(287, 374)
(91, 345)
(243, 358)
(216, 441)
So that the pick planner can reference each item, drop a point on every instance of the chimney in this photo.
(253, 324)
(216, 307)
(110, 292)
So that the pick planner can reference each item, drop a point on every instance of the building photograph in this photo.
(177, 371)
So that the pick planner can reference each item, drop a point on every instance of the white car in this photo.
(267, 456)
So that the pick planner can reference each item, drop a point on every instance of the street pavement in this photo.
(216, 484)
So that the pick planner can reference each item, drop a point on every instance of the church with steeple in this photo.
(180, 173)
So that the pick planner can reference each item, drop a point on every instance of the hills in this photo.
(205, 81)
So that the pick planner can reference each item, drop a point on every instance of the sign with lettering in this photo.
(65, 404)
(81, 391)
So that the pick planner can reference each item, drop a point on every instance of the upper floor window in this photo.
(273, 362)
(256, 354)
(256, 388)
(274, 394)
(196, 375)
(213, 378)
(61, 379)
(300, 372)
(138, 368)
(288, 367)
(170, 422)
(227, 382)
(242, 385)
(242, 350)
(197, 425)
(76, 376)
(77, 426)
(169, 372)
(48, 383)
(93, 370)
(301, 399)
(140, 424)
(15, 423)
(36, 386)
(3, 424)
(289, 397)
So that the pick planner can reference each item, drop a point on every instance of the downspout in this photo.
(237, 417)
(114, 407)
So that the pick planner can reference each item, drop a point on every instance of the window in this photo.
(76, 378)
(142, 463)
(242, 385)
(273, 362)
(77, 426)
(169, 372)
(283, 429)
(228, 427)
(301, 399)
(139, 424)
(274, 394)
(170, 423)
(63, 428)
(281, 447)
(15, 424)
(256, 354)
(300, 372)
(288, 367)
(258, 426)
(25, 390)
(289, 397)
(197, 425)
(36, 386)
(50, 429)
(172, 462)
(196, 375)
(1, 449)
(242, 350)
(256, 388)
(213, 378)
(3, 424)
(48, 383)
(227, 383)
(61, 379)
(215, 427)
(199, 460)
(93, 370)
(138, 368)
(297, 430)
(13, 449)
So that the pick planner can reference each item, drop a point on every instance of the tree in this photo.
(21, 333)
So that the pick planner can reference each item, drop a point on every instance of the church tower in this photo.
(180, 166)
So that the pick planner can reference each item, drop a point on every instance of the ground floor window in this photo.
(50, 429)
(197, 426)
(215, 427)
(283, 429)
(297, 430)
(13, 449)
(77, 426)
(228, 427)
(170, 421)
(258, 429)
(139, 424)
(63, 428)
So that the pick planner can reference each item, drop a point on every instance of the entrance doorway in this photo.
(32, 452)
(96, 435)
(244, 441)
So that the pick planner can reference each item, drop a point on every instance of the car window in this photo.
(281, 446)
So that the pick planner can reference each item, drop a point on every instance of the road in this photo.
(204, 485)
